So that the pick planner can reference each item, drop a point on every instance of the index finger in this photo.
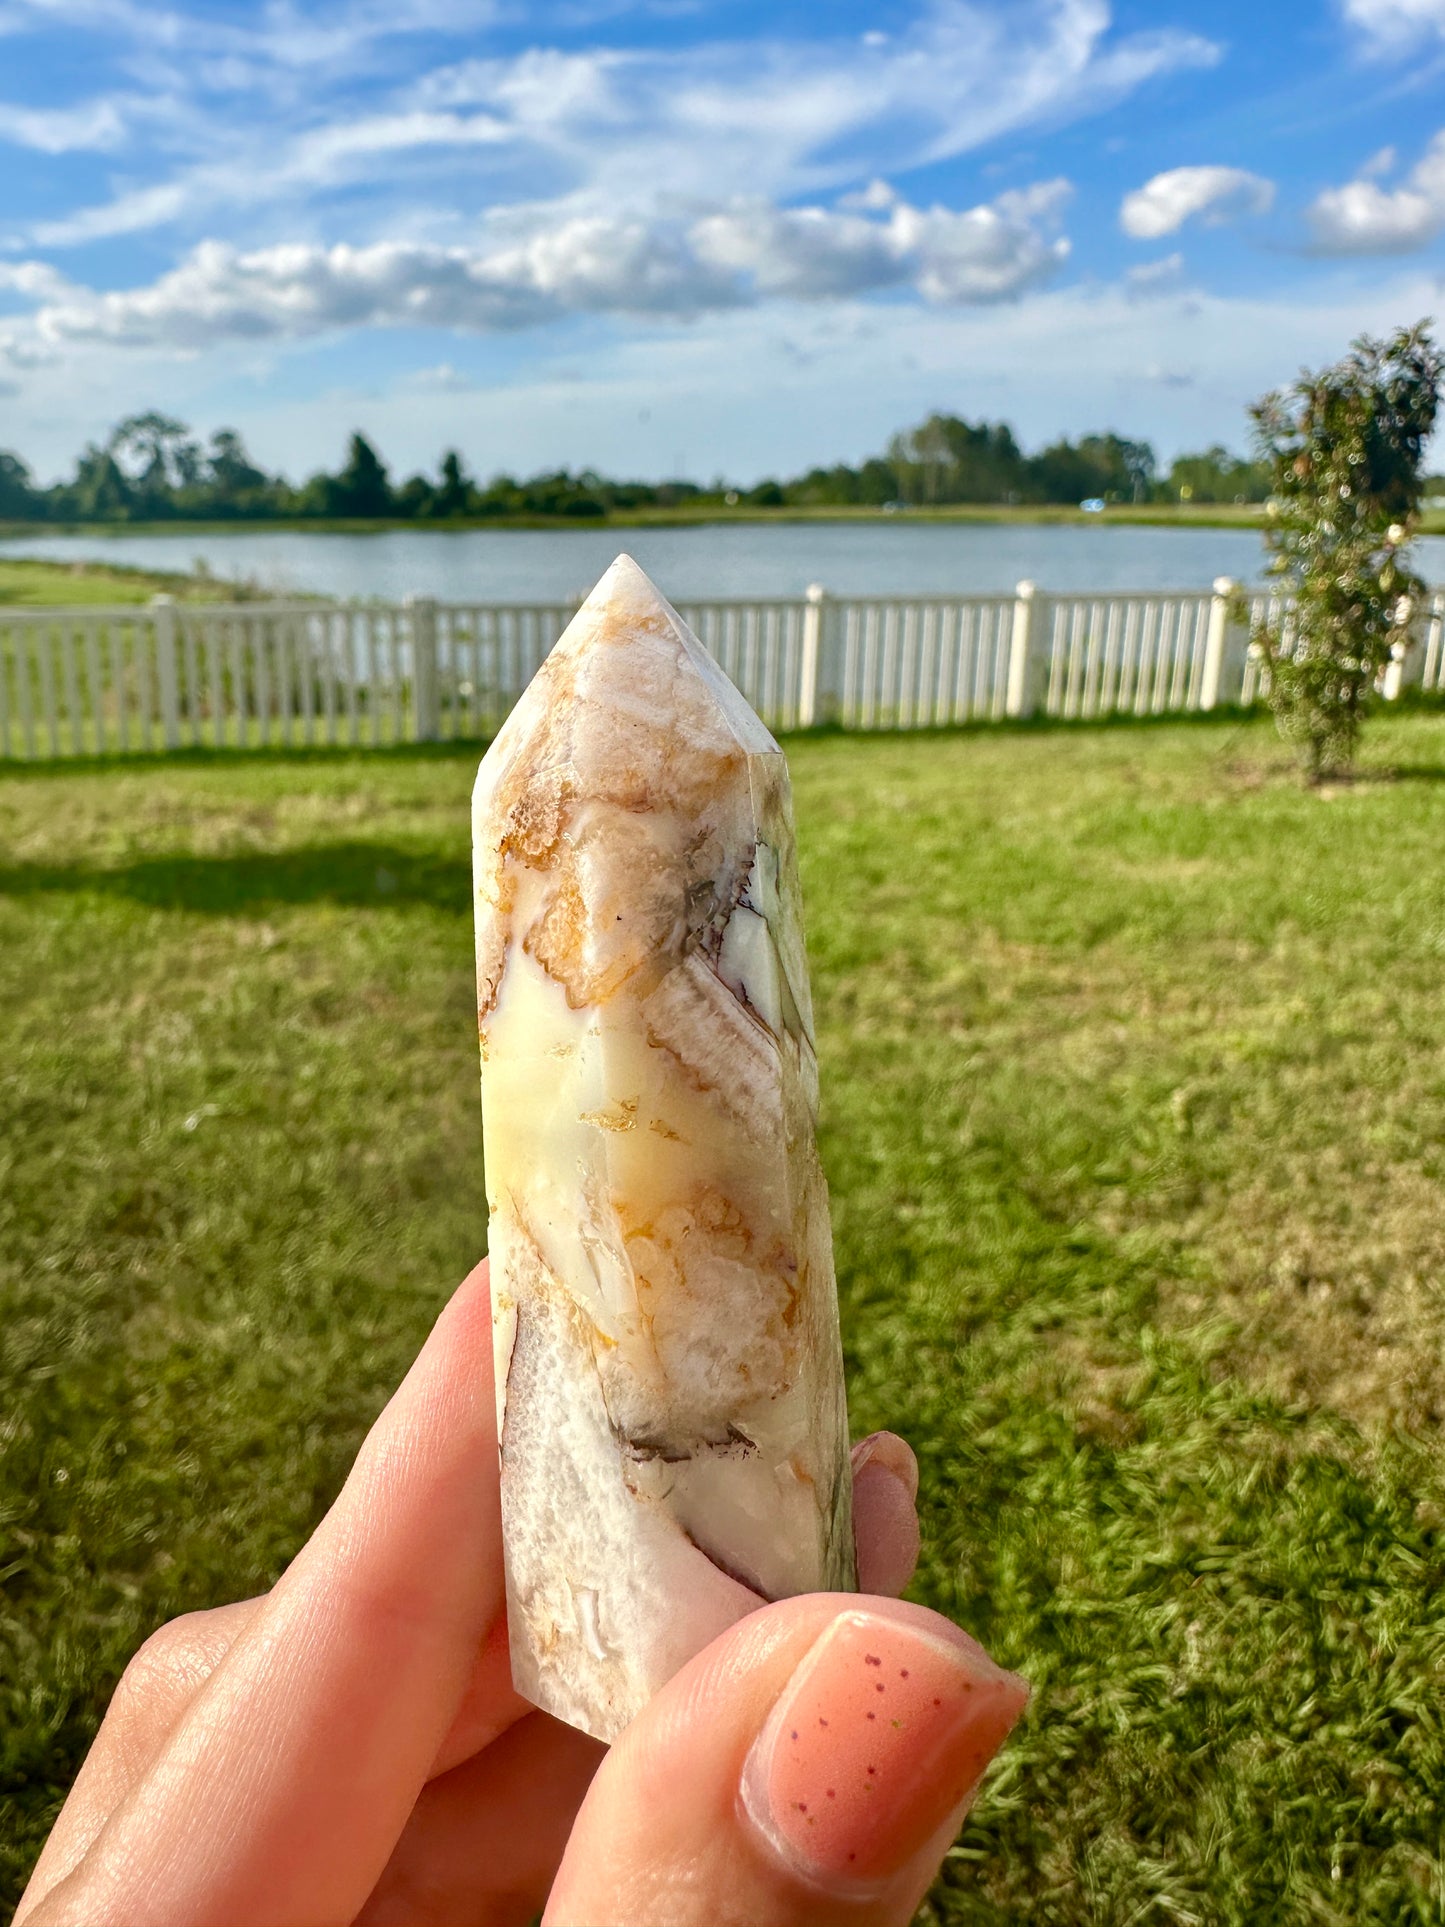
(281, 1792)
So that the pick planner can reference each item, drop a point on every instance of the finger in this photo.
(813, 1764)
(159, 1684)
(287, 1782)
(154, 1690)
(484, 1840)
(885, 1519)
(489, 1704)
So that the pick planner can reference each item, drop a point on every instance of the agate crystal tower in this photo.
(669, 1375)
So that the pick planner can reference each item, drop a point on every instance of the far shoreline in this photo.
(1163, 515)
(1127, 515)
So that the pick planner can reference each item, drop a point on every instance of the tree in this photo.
(18, 497)
(1215, 475)
(1343, 448)
(877, 482)
(100, 491)
(455, 493)
(233, 483)
(946, 459)
(1136, 460)
(415, 499)
(158, 456)
(362, 487)
(1108, 465)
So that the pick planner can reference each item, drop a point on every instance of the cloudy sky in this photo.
(687, 236)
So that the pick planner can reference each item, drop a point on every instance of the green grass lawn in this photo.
(1134, 1116)
(30, 584)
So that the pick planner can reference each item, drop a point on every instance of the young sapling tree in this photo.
(1343, 448)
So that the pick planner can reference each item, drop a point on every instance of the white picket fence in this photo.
(174, 675)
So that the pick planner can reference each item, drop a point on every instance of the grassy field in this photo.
(26, 584)
(1135, 1107)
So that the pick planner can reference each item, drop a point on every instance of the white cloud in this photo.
(283, 35)
(1165, 377)
(443, 379)
(1162, 205)
(24, 351)
(324, 157)
(129, 213)
(94, 126)
(1392, 26)
(589, 264)
(219, 294)
(1362, 217)
(804, 383)
(34, 281)
(962, 74)
(1043, 201)
(608, 128)
(989, 253)
(877, 197)
(1154, 278)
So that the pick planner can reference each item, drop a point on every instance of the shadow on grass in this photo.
(1396, 773)
(134, 762)
(361, 876)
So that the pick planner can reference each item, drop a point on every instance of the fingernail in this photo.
(881, 1734)
(891, 1452)
(885, 1528)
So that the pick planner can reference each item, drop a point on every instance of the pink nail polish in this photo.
(882, 1733)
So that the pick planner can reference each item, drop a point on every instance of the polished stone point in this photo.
(674, 1439)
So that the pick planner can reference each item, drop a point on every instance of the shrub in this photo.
(1343, 449)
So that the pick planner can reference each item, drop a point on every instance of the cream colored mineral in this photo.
(669, 1375)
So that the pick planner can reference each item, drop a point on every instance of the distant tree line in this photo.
(152, 468)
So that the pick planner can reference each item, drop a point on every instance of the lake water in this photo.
(735, 559)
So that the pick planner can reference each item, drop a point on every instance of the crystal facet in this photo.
(669, 1374)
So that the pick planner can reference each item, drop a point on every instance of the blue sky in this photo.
(672, 235)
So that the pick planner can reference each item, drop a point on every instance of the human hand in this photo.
(349, 1747)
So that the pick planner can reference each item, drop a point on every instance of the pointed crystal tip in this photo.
(627, 609)
(624, 575)
(626, 593)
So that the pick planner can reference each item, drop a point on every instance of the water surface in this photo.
(731, 559)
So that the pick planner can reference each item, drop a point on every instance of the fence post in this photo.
(425, 694)
(1225, 649)
(1432, 635)
(164, 619)
(811, 656)
(1028, 650)
(1406, 666)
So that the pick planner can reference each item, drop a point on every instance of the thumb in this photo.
(822, 1751)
